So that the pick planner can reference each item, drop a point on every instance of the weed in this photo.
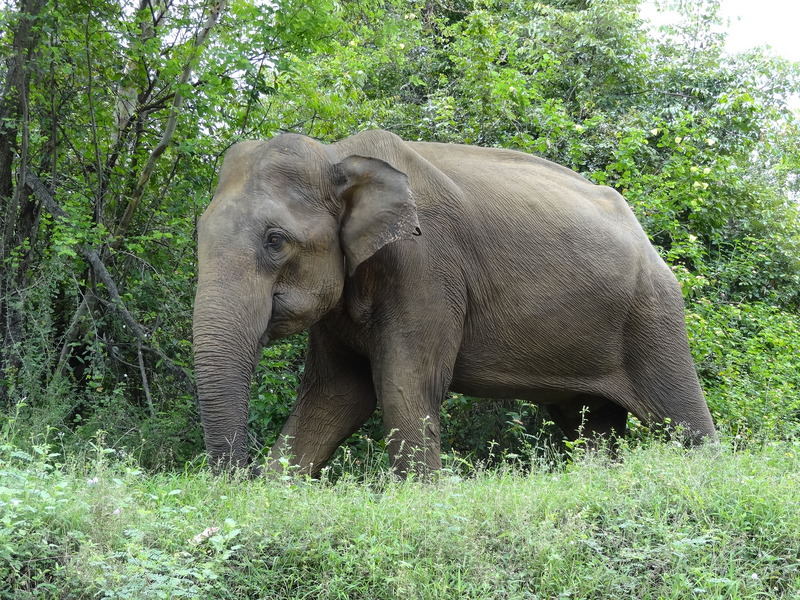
(661, 523)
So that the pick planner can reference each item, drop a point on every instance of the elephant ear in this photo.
(378, 207)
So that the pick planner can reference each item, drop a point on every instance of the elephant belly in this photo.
(555, 328)
(497, 390)
(541, 377)
(542, 356)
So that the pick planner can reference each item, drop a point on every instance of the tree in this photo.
(20, 213)
(107, 154)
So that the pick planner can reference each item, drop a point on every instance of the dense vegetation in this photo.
(660, 525)
(113, 119)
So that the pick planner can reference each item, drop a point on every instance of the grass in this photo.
(662, 524)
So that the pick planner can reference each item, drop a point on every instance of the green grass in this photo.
(663, 523)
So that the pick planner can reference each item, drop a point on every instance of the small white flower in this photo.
(93, 481)
(203, 535)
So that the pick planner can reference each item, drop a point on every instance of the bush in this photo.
(702, 144)
(662, 523)
(747, 357)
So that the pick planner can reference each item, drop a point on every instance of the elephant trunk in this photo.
(226, 343)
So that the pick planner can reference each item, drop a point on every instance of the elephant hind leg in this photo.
(661, 372)
(592, 418)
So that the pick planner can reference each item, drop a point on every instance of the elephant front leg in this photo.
(410, 401)
(413, 440)
(336, 397)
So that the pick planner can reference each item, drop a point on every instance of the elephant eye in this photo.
(275, 240)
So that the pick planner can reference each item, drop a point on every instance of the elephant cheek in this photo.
(300, 304)
(324, 293)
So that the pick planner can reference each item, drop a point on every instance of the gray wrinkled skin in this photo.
(421, 267)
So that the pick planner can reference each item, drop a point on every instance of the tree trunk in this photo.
(20, 212)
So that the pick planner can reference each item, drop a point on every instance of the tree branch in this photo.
(93, 258)
(172, 122)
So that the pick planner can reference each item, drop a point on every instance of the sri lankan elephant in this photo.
(421, 267)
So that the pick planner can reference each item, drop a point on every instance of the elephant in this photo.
(423, 267)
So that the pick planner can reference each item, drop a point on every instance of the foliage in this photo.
(123, 111)
(275, 388)
(660, 524)
(489, 432)
(130, 159)
(747, 358)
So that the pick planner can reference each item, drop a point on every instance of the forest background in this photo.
(114, 117)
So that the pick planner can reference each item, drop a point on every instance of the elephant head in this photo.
(289, 221)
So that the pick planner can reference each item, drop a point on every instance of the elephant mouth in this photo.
(277, 326)
(276, 330)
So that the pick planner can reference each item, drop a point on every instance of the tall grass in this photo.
(662, 523)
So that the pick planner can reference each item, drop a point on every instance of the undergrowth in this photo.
(662, 523)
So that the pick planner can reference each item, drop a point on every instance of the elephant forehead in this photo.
(288, 169)
(291, 161)
(256, 210)
(299, 217)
